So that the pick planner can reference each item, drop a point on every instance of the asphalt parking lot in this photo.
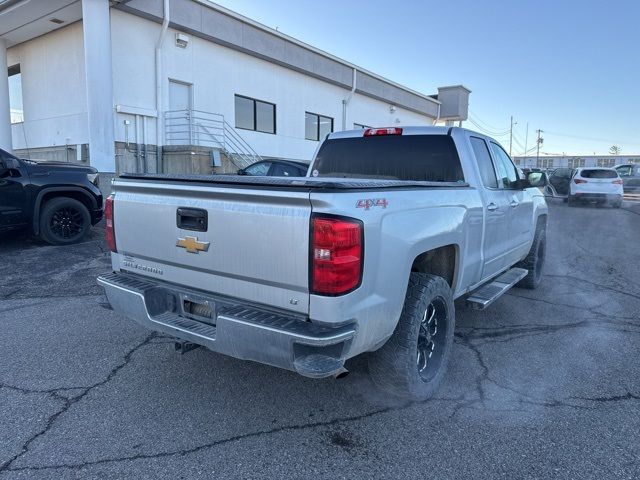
(544, 384)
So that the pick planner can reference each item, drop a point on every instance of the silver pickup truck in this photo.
(365, 254)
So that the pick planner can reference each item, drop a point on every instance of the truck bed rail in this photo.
(296, 182)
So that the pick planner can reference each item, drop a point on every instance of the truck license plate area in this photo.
(200, 310)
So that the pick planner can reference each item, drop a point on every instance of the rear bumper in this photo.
(600, 197)
(242, 331)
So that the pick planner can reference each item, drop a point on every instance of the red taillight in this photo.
(617, 182)
(336, 255)
(109, 231)
(372, 132)
(579, 181)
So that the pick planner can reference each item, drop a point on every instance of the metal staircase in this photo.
(205, 129)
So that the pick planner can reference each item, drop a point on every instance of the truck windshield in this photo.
(431, 158)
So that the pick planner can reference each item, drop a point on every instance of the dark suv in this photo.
(58, 201)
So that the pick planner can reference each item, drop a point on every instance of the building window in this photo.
(15, 94)
(317, 127)
(360, 125)
(252, 114)
(606, 162)
(544, 163)
(576, 162)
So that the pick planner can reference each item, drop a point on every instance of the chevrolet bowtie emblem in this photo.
(192, 244)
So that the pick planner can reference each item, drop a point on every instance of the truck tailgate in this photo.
(258, 239)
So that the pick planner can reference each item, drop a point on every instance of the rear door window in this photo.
(431, 158)
(595, 173)
(506, 169)
(483, 157)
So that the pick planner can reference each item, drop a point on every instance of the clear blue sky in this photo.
(568, 67)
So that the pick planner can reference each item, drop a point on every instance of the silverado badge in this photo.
(192, 244)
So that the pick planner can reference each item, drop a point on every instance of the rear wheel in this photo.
(64, 221)
(571, 201)
(413, 362)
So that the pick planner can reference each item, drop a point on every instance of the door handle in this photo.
(194, 219)
(514, 203)
(492, 206)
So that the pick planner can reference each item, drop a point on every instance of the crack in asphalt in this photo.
(577, 307)
(13, 296)
(20, 307)
(68, 402)
(628, 210)
(7, 295)
(460, 403)
(522, 331)
(611, 398)
(485, 376)
(187, 451)
(597, 285)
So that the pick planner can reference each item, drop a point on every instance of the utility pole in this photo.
(526, 139)
(511, 134)
(539, 142)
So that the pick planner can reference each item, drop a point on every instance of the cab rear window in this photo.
(431, 158)
(596, 173)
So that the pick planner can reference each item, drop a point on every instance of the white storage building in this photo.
(182, 85)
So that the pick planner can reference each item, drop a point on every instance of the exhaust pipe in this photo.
(340, 373)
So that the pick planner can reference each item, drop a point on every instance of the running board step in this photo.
(490, 292)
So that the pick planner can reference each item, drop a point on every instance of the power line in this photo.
(593, 139)
(488, 125)
(488, 132)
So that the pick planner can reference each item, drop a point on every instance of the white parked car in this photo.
(602, 185)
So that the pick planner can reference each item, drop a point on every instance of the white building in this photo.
(107, 82)
(575, 161)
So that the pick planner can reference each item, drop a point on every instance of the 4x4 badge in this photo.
(192, 244)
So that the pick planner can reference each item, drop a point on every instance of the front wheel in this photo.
(534, 261)
(413, 362)
(64, 221)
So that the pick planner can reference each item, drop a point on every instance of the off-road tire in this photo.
(534, 261)
(395, 366)
(64, 221)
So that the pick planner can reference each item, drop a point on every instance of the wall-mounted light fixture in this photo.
(182, 40)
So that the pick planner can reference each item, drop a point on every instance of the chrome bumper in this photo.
(235, 329)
